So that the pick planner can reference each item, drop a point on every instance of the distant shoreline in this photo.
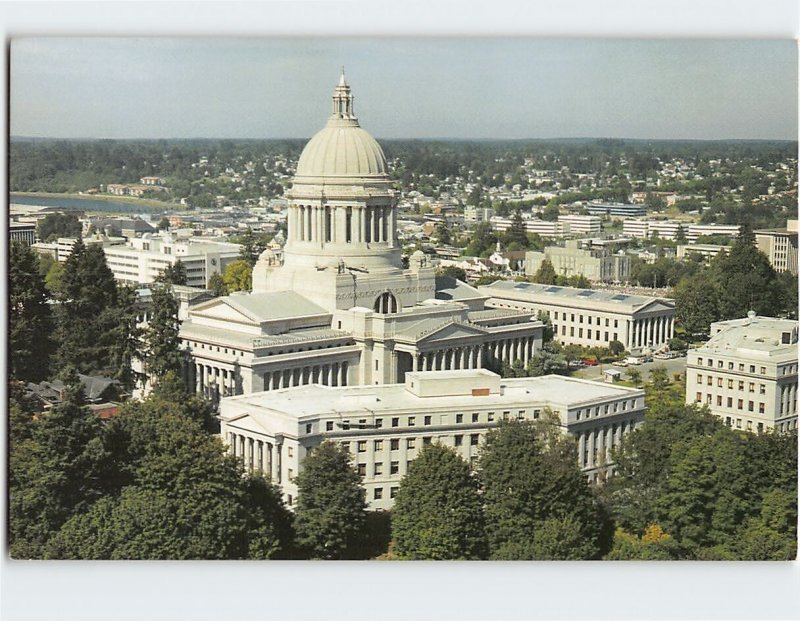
(128, 200)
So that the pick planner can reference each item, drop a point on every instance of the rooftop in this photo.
(753, 336)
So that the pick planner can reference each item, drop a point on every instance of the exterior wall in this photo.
(781, 249)
(384, 440)
(696, 230)
(596, 265)
(643, 229)
(25, 233)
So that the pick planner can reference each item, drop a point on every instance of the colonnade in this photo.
(594, 445)
(340, 224)
(651, 331)
(788, 399)
(257, 455)
(333, 374)
(472, 356)
(214, 382)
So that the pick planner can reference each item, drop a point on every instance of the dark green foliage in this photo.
(269, 522)
(124, 338)
(29, 317)
(437, 513)
(329, 514)
(217, 285)
(252, 245)
(546, 274)
(163, 343)
(538, 504)
(443, 234)
(173, 274)
(546, 361)
(55, 225)
(453, 272)
(516, 233)
(55, 472)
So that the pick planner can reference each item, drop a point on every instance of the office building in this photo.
(747, 373)
(617, 210)
(384, 427)
(590, 317)
(780, 246)
(597, 264)
(702, 230)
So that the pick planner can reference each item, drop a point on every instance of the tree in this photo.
(217, 285)
(56, 473)
(548, 360)
(516, 233)
(125, 338)
(173, 274)
(29, 317)
(238, 276)
(616, 348)
(329, 516)
(55, 225)
(535, 492)
(252, 247)
(546, 274)
(697, 303)
(163, 224)
(551, 212)
(163, 353)
(453, 272)
(437, 512)
(653, 545)
(635, 376)
(443, 233)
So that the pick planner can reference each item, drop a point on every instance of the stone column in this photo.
(414, 362)
(592, 447)
(480, 356)
(581, 447)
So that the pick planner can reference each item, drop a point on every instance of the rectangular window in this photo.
(698, 397)
(761, 408)
(378, 423)
(762, 389)
(699, 378)
(395, 422)
(290, 474)
(459, 440)
(412, 421)
(536, 414)
(580, 319)
(741, 367)
(580, 333)
(473, 439)
(751, 387)
(290, 451)
(616, 323)
(378, 468)
(475, 417)
(572, 331)
(730, 384)
(394, 467)
(490, 416)
(741, 386)
(739, 404)
(426, 440)
(393, 491)
(411, 443)
(309, 426)
(427, 420)
(710, 381)
(749, 425)
(719, 400)
(730, 366)
(719, 364)
(752, 369)
(378, 445)
(763, 370)
(699, 361)
(362, 470)
(329, 426)
(378, 493)
(760, 427)
(730, 402)
(459, 418)
(362, 446)
(719, 382)
(750, 406)
(710, 362)
(394, 444)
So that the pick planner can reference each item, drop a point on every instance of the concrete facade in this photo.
(589, 317)
(384, 427)
(596, 264)
(780, 246)
(747, 373)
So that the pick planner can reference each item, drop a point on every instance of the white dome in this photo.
(342, 149)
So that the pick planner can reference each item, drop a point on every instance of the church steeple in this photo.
(342, 100)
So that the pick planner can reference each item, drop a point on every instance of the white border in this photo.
(227, 591)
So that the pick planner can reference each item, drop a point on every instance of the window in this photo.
(739, 404)
(719, 400)
(730, 366)
(290, 451)
(751, 387)
(606, 322)
(393, 491)
(710, 380)
(536, 414)
(378, 493)
(580, 319)
(763, 370)
(710, 362)
(378, 468)
(749, 425)
(699, 361)
(616, 323)
(474, 417)
(521, 414)
(728, 421)
(741, 386)
(345, 424)
(412, 421)
(427, 420)
(362, 470)
(394, 444)
(730, 402)
(459, 418)
(362, 424)
(411, 443)
(395, 422)
(473, 439)
(698, 397)
(750, 406)
(762, 389)
(761, 408)
(752, 370)
(730, 384)
(490, 416)
(394, 467)
(719, 364)
(760, 427)
(459, 440)
(719, 382)
(378, 423)
(362, 446)
(376, 365)
(290, 474)
(329, 426)
(578, 415)
(580, 333)
(708, 399)
(378, 445)
(309, 426)
(426, 440)
(741, 367)
(699, 378)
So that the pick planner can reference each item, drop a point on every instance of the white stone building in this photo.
(574, 224)
(780, 246)
(142, 259)
(596, 264)
(747, 373)
(384, 427)
(338, 308)
(591, 317)
(698, 230)
(643, 228)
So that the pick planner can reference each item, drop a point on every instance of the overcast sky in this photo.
(404, 87)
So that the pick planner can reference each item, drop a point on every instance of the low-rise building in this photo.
(24, 232)
(574, 224)
(596, 264)
(384, 427)
(590, 317)
(702, 230)
(780, 246)
(141, 260)
(747, 373)
(708, 251)
(477, 214)
(644, 229)
(619, 210)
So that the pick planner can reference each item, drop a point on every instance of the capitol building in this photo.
(337, 307)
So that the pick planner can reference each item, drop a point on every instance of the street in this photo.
(675, 365)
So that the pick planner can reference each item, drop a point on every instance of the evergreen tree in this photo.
(516, 233)
(252, 247)
(173, 274)
(534, 492)
(546, 274)
(217, 285)
(329, 516)
(437, 512)
(30, 320)
(56, 473)
(162, 336)
(124, 339)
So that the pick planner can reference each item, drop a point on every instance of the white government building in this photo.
(591, 317)
(384, 427)
(747, 373)
(338, 308)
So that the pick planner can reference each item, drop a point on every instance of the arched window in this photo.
(385, 303)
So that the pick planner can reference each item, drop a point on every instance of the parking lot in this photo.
(675, 365)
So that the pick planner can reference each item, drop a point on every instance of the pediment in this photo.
(452, 331)
(656, 306)
(219, 309)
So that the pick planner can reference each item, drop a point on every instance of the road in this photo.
(676, 365)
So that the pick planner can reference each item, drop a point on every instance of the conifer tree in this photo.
(163, 342)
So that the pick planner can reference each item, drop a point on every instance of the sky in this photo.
(404, 87)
